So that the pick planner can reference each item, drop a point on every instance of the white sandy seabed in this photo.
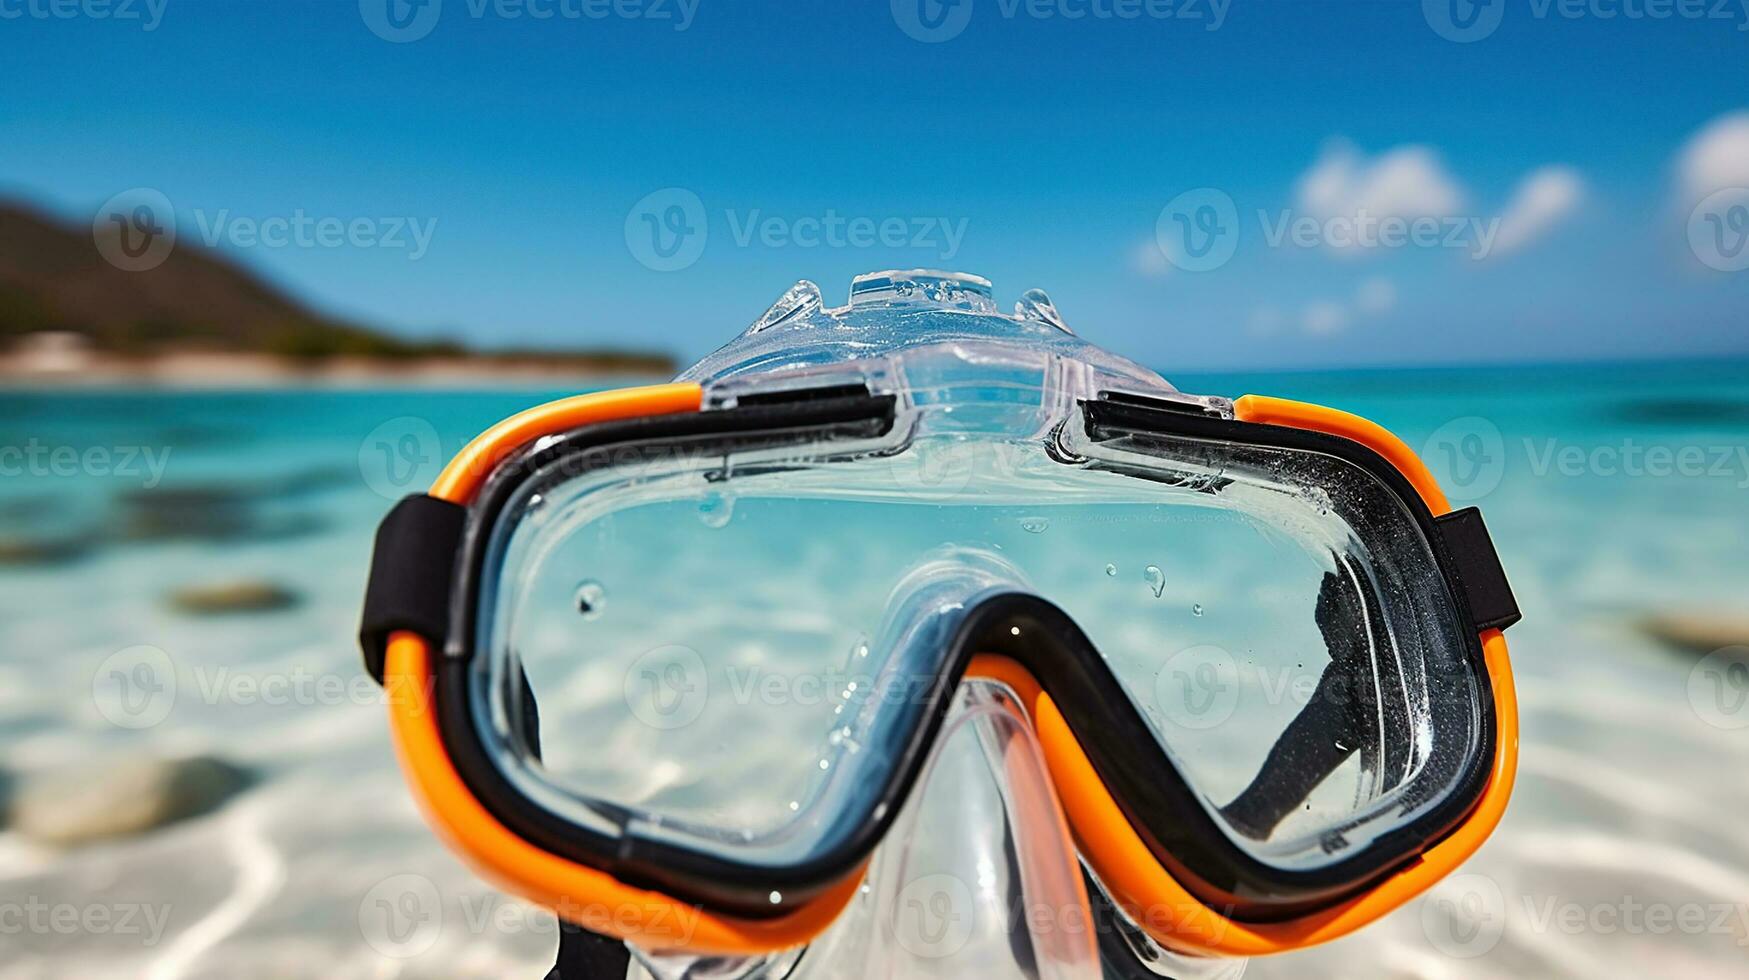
(1624, 852)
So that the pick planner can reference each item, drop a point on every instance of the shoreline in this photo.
(225, 370)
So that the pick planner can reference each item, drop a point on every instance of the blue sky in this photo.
(1581, 149)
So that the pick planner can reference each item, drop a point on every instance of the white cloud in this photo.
(1716, 158)
(1375, 296)
(1266, 321)
(1322, 318)
(1405, 182)
(1411, 182)
(1544, 197)
(1147, 260)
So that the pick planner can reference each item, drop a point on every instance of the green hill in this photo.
(52, 278)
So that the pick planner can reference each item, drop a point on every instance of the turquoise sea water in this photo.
(1613, 492)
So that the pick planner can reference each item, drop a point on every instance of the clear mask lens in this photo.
(729, 651)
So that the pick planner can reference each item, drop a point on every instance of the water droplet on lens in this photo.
(1196, 609)
(591, 599)
(716, 509)
(1111, 569)
(1156, 580)
(842, 738)
(1034, 525)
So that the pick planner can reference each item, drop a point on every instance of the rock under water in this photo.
(228, 597)
(1697, 632)
(69, 807)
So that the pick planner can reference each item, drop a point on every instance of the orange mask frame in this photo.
(1147, 891)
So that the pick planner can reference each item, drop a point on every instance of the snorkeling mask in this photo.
(674, 661)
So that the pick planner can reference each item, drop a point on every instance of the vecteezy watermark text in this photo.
(1466, 21)
(41, 460)
(404, 915)
(404, 21)
(34, 916)
(934, 21)
(1469, 455)
(138, 687)
(302, 230)
(937, 914)
(1466, 916)
(833, 230)
(667, 230)
(136, 230)
(1199, 230)
(1365, 230)
(148, 14)
(1636, 460)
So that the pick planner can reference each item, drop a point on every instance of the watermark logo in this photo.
(404, 916)
(1463, 21)
(1464, 915)
(299, 229)
(301, 687)
(135, 231)
(939, 469)
(667, 230)
(400, 21)
(401, 916)
(1634, 460)
(135, 687)
(667, 687)
(1198, 688)
(1718, 688)
(1468, 455)
(948, 466)
(935, 916)
(1367, 231)
(1718, 230)
(1630, 916)
(932, 21)
(1198, 230)
(404, 21)
(1466, 21)
(400, 456)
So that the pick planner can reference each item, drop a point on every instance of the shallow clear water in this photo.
(1623, 851)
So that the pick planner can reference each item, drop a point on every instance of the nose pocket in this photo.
(979, 875)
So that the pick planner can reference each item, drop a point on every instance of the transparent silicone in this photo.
(977, 877)
(729, 650)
